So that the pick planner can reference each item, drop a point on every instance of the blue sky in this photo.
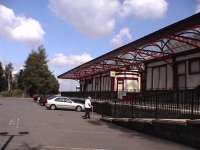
(76, 31)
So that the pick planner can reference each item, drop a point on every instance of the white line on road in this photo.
(17, 125)
(60, 147)
(11, 123)
(81, 148)
(86, 132)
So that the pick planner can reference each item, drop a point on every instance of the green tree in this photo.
(3, 83)
(20, 80)
(37, 77)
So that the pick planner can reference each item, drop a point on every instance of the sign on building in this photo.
(112, 73)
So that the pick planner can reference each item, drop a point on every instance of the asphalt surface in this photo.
(24, 125)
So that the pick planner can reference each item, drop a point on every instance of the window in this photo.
(156, 74)
(97, 84)
(59, 99)
(67, 100)
(181, 75)
(163, 78)
(89, 81)
(194, 66)
(149, 79)
(159, 77)
(181, 68)
(181, 82)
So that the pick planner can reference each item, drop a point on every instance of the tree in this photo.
(3, 83)
(37, 77)
(8, 75)
(20, 80)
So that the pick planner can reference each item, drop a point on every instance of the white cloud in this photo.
(70, 61)
(198, 6)
(144, 8)
(124, 36)
(63, 62)
(97, 18)
(17, 68)
(92, 17)
(20, 28)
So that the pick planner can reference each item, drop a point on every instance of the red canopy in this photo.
(162, 44)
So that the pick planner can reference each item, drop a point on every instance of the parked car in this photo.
(59, 102)
(43, 99)
(35, 97)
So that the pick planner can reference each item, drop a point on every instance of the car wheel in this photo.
(78, 108)
(53, 107)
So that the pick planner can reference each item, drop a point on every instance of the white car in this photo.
(59, 102)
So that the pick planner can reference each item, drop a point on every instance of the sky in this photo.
(76, 31)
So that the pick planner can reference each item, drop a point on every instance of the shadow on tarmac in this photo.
(10, 138)
(96, 122)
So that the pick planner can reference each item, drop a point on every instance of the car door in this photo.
(60, 102)
(69, 104)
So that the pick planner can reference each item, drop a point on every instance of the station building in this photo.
(112, 81)
(168, 59)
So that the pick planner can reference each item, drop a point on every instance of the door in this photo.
(120, 85)
(69, 104)
(60, 102)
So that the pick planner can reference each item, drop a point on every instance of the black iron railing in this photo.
(148, 104)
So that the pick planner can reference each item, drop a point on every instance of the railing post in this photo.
(109, 96)
(102, 110)
(132, 116)
(178, 101)
(198, 101)
(192, 105)
(156, 110)
(115, 106)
